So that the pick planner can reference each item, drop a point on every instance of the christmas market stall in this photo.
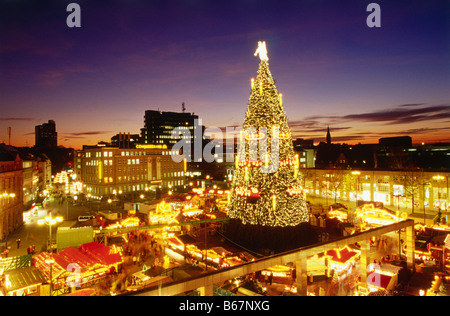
(383, 277)
(84, 292)
(342, 261)
(278, 273)
(77, 267)
(142, 279)
(26, 281)
(431, 245)
(372, 216)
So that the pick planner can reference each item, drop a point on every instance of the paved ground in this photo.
(30, 233)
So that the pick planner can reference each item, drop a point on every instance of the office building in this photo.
(46, 135)
(158, 127)
(113, 170)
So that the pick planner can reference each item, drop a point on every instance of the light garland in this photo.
(257, 136)
(295, 190)
(257, 163)
(249, 192)
(288, 162)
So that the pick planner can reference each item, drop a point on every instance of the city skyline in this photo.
(333, 70)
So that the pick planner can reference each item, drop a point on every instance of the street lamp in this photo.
(50, 221)
(50, 261)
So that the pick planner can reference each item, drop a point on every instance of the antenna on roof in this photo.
(9, 135)
(183, 108)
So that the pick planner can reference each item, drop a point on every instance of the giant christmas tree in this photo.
(267, 206)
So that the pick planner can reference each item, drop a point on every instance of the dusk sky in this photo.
(130, 56)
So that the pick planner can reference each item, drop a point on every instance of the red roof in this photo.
(342, 256)
(101, 253)
(379, 280)
(72, 255)
(87, 256)
(86, 292)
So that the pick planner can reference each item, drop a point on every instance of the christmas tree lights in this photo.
(266, 205)
(280, 201)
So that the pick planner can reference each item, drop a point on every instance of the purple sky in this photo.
(131, 56)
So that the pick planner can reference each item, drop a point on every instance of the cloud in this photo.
(313, 128)
(424, 130)
(55, 77)
(76, 135)
(410, 104)
(406, 113)
(30, 40)
(16, 119)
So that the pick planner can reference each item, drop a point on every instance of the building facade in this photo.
(306, 151)
(11, 188)
(395, 189)
(37, 174)
(111, 170)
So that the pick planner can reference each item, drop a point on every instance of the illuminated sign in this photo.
(288, 162)
(151, 146)
(295, 190)
(248, 192)
(100, 169)
(256, 163)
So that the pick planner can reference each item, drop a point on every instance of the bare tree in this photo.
(336, 181)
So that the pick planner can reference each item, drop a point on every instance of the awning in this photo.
(88, 257)
(23, 278)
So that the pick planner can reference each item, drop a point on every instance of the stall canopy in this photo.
(13, 263)
(101, 253)
(342, 255)
(23, 278)
(89, 256)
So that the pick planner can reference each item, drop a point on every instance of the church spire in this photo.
(328, 136)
